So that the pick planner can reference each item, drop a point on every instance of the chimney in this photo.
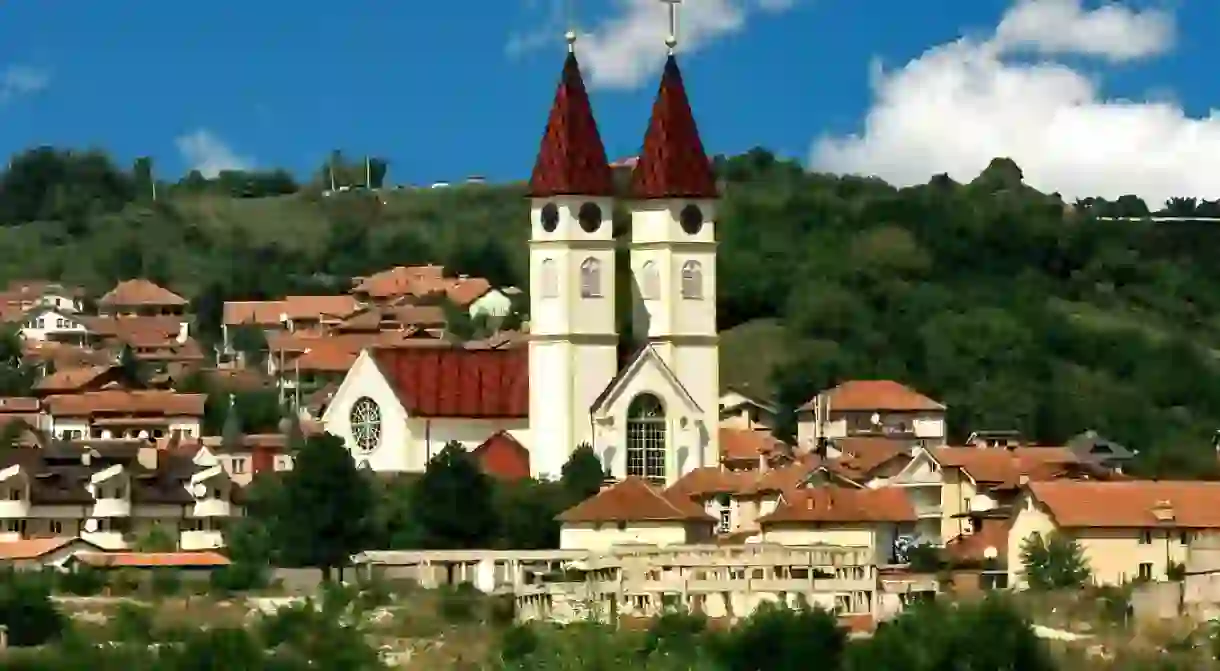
(147, 457)
(184, 331)
(1163, 511)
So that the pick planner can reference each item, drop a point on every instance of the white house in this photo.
(654, 416)
(46, 323)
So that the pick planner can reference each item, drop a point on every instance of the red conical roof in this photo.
(572, 160)
(672, 163)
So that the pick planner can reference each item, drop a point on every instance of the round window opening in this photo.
(590, 217)
(366, 424)
(550, 217)
(691, 219)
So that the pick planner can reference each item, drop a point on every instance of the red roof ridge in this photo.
(672, 163)
(632, 499)
(572, 159)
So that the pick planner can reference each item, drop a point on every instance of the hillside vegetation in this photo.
(1016, 309)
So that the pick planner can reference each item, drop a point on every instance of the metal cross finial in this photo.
(570, 36)
(671, 40)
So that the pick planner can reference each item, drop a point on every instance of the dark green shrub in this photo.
(27, 610)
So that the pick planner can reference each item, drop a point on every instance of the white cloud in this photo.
(622, 50)
(959, 105)
(204, 151)
(20, 80)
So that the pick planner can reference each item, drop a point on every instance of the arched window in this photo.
(548, 280)
(646, 438)
(591, 278)
(692, 280)
(650, 281)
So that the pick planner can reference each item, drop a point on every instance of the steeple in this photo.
(572, 159)
(672, 163)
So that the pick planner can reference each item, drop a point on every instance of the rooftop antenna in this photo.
(671, 40)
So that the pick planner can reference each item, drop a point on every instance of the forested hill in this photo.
(1016, 309)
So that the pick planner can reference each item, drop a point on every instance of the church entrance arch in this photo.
(646, 439)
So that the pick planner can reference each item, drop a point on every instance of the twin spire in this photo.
(572, 158)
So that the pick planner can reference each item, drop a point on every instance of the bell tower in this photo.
(573, 335)
(673, 246)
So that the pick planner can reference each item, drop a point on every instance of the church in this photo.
(654, 414)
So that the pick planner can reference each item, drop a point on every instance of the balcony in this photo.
(212, 508)
(111, 508)
(928, 509)
(201, 540)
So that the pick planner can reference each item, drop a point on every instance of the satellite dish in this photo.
(91, 525)
(199, 489)
(875, 419)
(980, 503)
(990, 552)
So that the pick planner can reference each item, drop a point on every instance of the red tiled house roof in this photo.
(572, 159)
(634, 500)
(455, 382)
(501, 456)
(865, 395)
(673, 163)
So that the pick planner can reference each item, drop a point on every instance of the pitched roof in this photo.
(457, 382)
(34, 548)
(746, 444)
(140, 292)
(503, 457)
(1004, 466)
(992, 532)
(571, 159)
(71, 379)
(1131, 503)
(867, 395)
(862, 456)
(634, 500)
(203, 559)
(836, 504)
(636, 360)
(672, 163)
(153, 402)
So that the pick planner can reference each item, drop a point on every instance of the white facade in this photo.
(403, 443)
(51, 324)
(573, 348)
(80, 427)
(673, 264)
(494, 303)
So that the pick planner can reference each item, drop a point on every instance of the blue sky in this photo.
(447, 90)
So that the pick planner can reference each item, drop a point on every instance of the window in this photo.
(1145, 537)
(1145, 571)
(14, 495)
(692, 280)
(650, 281)
(646, 438)
(549, 217)
(42, 323)
(192, 525)
(188, 432)
(15, 526)
(591, 278)
(548, 280)
(218, 494)
(366, 424)
(57, 527)
(691, 219)
(590, 217)
(1184, 537)
(239, 465)
(726, 519)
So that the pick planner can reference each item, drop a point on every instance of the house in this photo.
(924, 485)
(26, 294)
(740, 410)
(140, 297)
(40, 553)
(1127, 530)
(398, 282)
(1090, 446)
(244, 456)
(24, 409)
(292, 313)
(199, 563)
(633, 512)
(502, 457)
(113, 331)
(111, 493)
(870, 408)
(120, 413)
(749, 450)
(80, 379)
(44, 322)
(869, 518)
(398, 407)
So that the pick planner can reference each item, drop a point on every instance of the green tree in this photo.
(454, 502)
(774, 638)
(326, 512)
(526, 514)
(582, 475)
(26, 609)
(251, 341)
(1053, 561)
(132, 370)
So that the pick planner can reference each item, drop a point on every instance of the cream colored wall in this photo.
(428, 436)
(821, 534)
(956, 493)
(363, 379)
(603, 537)
(50, 321)
(565, 379)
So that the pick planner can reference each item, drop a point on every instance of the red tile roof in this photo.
(737, 445)
(455, 382)
(837, 504)
(866, 395)
(1131, 504)
(34, 548)
(999, 466)
(992, 532)
(572, 159)
(140, 292)
(501, 456)
(153, 559)
(634, 500)
(672, 163)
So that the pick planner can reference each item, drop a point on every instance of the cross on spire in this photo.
(671, 40)
(570, 36)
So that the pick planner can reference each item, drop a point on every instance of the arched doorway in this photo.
(646, 438)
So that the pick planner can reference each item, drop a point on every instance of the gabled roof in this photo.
(870, 395)
(646, 354)
(140, 292)
(1004, 467)
(747, 445)
(502, 456)
(837, 504)
(571, 159)
(1130, 504)
(672, 163)
(456, 382)
(634, 500)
